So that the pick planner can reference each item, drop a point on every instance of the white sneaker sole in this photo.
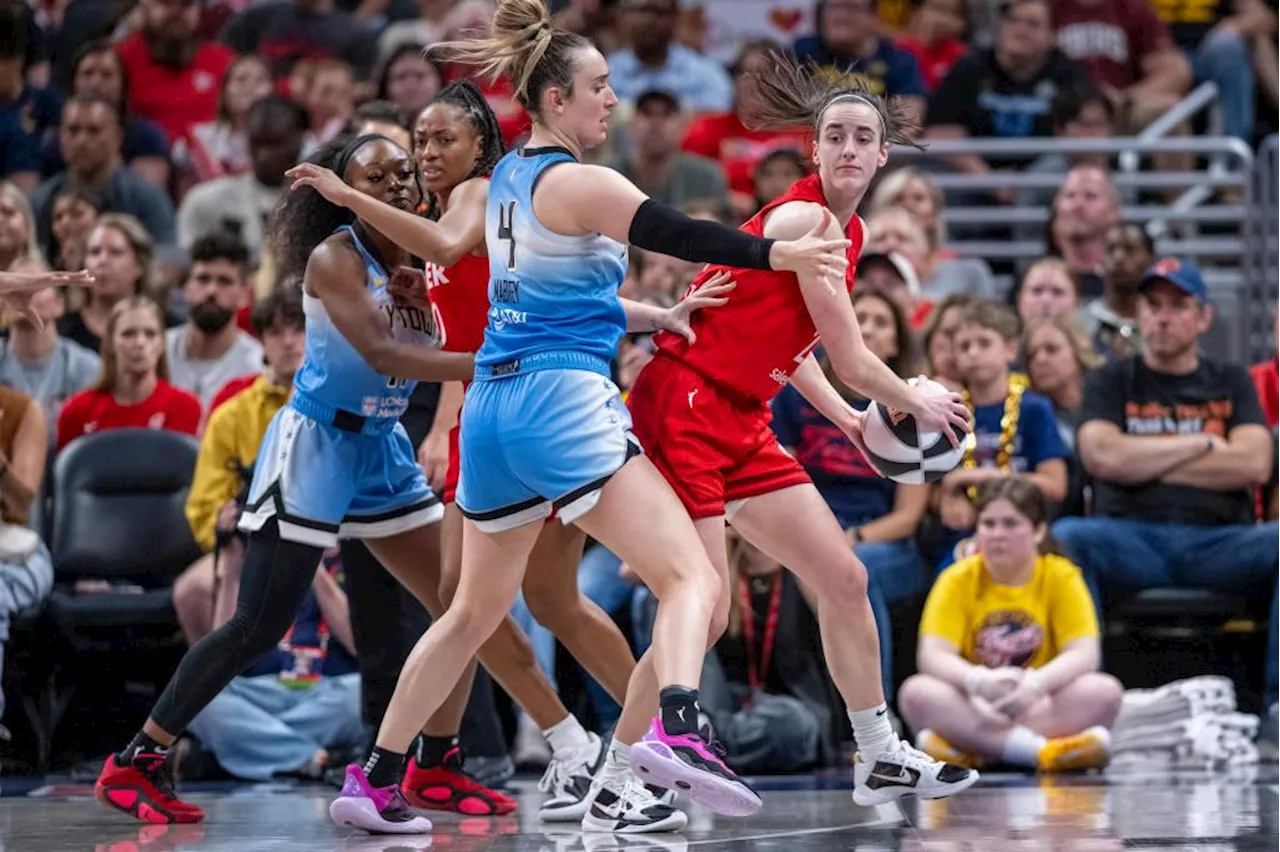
(676, 821)
(655, 763)
(866, 796)
(569, 813)
(361, 813)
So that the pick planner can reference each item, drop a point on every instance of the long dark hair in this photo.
(304, 218)
(467, 99)
(523, 46)
(792, 95)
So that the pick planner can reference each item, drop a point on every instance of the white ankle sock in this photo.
(618, 759)
(1022, 748)
(567, 736)
(873, 732)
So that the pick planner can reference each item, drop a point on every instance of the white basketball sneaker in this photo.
(623, 804)
(907, 771)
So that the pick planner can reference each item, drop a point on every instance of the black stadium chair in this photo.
(115, 514)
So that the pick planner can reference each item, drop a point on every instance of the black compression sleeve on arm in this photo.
(656, 227)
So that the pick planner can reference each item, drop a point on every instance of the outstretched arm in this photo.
(459, 231)
(575, 199)
(712, 293)
(29, 282)
(336, 275)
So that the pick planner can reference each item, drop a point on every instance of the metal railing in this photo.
(1263, 269)
(1227, 237)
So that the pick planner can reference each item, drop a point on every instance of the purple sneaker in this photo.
(687, 764)
(379, 810)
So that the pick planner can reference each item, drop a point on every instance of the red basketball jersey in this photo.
(753, 344)
(460, 301)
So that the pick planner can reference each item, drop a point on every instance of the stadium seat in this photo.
(1173, 605)
(116, 515)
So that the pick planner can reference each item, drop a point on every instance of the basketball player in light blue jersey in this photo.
(544, 428)
(335, 461)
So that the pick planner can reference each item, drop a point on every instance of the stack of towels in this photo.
(1187, 724)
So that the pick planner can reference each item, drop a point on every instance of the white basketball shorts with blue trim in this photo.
(537, 440)
(322, 483)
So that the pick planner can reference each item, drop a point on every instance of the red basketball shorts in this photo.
(713, 449)
(455, 467)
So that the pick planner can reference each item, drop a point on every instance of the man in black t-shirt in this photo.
(1176, 445)
(1006, 91)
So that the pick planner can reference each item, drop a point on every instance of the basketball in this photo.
(904, 452)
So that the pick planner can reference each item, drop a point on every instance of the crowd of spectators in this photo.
(148, 140)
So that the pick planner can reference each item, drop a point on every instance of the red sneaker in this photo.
(448, 788)
(143, 789)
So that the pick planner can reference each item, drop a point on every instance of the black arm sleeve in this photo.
(656, 227)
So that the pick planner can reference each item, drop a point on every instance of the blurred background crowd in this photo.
(1085, 249)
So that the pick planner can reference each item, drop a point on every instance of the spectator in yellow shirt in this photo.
(1009, 650)
(227, 452)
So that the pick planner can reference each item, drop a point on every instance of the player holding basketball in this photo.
(701, 410)
(458, 142)
(543, 424)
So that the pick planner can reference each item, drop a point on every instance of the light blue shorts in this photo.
(538, 440)
(322, 483)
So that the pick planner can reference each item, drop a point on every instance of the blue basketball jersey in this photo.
(553, 299)
(334, 377)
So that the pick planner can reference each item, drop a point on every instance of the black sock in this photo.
(679, 707)
(140, 744)
(384, 767)
(431, 751)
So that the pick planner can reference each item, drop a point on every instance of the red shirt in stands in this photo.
(753, 344)
(1112, 38)
(1266, 378)
(230, 389)
(724, 138)
(176, 99)
(97, 411)
(935, 60)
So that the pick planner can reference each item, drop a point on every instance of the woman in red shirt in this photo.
(133, 390)
(725, 138)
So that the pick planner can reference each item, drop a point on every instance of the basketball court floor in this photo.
(1150, 810)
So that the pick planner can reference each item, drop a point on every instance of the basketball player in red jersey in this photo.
(456, 143)
(701, 411)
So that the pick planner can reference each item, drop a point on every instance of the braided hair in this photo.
(468, 100)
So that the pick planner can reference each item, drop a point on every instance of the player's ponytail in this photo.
(791, 95)
(523, 46)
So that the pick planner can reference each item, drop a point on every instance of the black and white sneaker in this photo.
(568, 780)
(906, 771)
(625, 805)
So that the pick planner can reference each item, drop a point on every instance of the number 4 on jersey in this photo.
(506, 214)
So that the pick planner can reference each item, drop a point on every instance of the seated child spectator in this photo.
(1014, 429)
(133, 390)
(1009, 650)
(879, 516)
